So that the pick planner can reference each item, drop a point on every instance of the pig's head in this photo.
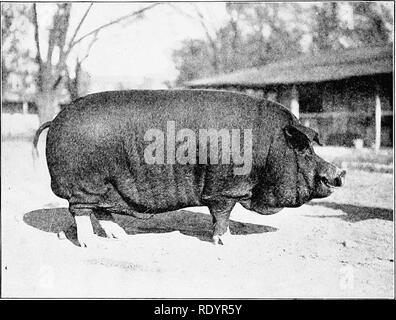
(293, 173)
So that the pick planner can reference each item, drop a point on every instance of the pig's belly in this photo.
(165, 189)
(127, 185)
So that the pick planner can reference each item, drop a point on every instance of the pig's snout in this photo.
(340, 179)
(333, 178)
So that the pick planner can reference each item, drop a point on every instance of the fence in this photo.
(344, 128)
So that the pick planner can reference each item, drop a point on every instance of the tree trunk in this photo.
(47, 105)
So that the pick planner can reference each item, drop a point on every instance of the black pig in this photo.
(149, 151)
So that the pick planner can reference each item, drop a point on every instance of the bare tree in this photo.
(370, 24)
(52, 76)
(240, 42)
(326, 29)
(208, 28)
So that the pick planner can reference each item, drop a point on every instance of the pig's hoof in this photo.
(222, 239)
(61, 235)
(89, 242)
(113, 230)
(216, 240)
(85, 235)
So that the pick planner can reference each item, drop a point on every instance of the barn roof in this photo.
(326, 66)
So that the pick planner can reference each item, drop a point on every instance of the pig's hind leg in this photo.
(85, 233)
(86, 198)
(108, 224)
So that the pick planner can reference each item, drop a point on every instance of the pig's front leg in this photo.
(220, 209)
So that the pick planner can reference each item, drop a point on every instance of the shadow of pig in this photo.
(189, 223)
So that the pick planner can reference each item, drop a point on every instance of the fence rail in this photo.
(342, 114)
(343, 127)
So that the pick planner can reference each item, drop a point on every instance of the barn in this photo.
(347, 95)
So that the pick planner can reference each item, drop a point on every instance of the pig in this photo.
(136, 152)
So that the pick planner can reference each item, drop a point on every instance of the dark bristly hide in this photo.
(95, 155)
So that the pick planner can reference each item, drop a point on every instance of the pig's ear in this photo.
(300, 136)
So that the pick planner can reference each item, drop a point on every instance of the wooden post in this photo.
(272, 96)
(377, 121)
(294, 106)
(24, 107)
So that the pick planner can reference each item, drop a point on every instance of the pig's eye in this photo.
(303, 151)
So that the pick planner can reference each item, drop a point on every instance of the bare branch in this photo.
(94, 39)
(36, 34)
(77, 29)
(135, 13)
(193, 17)
(57, 82)
(36, 40)
(51, 45)
(202, 21)
(212, 42)
(63, 67)
(57, 38)
(181, 11)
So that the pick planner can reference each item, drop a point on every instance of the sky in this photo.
(141, 49)
(131, 51)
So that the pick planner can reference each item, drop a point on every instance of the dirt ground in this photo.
(341, 246)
